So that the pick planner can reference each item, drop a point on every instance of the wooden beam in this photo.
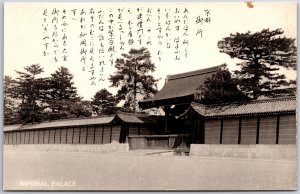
(257, 129)
(167, 110)
(79, 134)
(110, 133)
(43, 136)
(12, 137)
(29, 137)
(102, 134)
(33, 136)
(67, 130)
(121, 133)
(240, 130)
(221, 131)
(60, 136)
(277, 129)
(38, 137)
(127, 129)
(139, 131)
(5, 137)
(194, 134)
(86, 137)
(16, 137)
(73, 135)
(94, 135)
(49, 136)
(203, 128)
(54, 136)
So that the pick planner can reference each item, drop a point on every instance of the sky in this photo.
(24, 44)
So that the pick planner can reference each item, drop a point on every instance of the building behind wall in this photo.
(177, 94)
(271, 121)
(95, 130)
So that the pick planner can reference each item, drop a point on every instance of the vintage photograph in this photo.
(164, 96)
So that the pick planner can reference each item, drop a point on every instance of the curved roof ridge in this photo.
(71, 119)
(132, 114)
(62, 120)
(248, 101)
(268, 106)
(193, 73)
(275, 99)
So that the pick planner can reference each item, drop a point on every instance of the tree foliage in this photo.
(30, 91)
(81, 109)
(11, 104)
(31, 98)
(61, 93)
(221, 88)
(262, 54)
(133, 77)
(104, 102)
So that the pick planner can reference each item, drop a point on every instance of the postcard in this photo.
(161, 96)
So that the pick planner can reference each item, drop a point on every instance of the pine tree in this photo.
(80, 109)
(11, 103)
(104, 102)
(133, 77)
(61, 94)
(221, 88)
(30, 89)
(263, 54)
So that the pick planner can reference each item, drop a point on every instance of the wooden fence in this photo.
(157, 141)
(276, 129)
(70, 135)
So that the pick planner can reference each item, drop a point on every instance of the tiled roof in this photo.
(140, 118)
(103, 120)
(180, 85)
(270, 106)
(129, 118)
(65, 123)
(11, 127)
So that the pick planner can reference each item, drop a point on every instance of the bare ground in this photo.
(42, 170)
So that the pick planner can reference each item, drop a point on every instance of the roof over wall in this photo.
(140, 118)
(129, 118)
(11, 127)
(102, 120)
(179, 88)
(257, 107)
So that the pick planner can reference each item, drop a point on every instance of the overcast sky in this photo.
(23, 36)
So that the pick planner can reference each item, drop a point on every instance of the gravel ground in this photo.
(133, 170)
